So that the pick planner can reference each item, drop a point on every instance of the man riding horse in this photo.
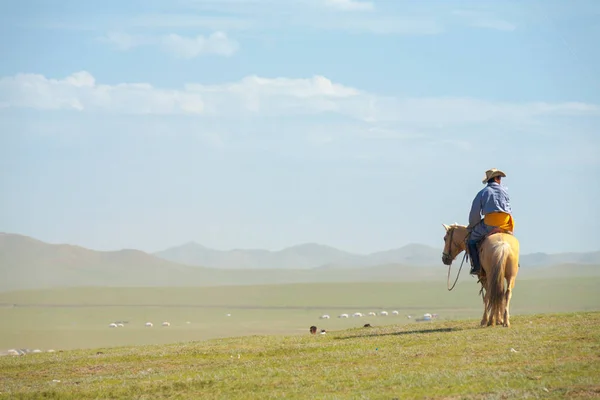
(493, 204)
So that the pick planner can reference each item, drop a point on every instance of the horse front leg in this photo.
(486, 297)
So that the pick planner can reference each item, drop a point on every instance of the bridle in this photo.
(446, 257)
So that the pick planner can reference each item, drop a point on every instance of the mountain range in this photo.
(27, 263)
(312, 255)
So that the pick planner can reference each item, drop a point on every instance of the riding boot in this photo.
(474, 254)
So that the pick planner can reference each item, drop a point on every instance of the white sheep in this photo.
(372, 314)
(383, 313)
(343, 316)
(395, 312)
(149, 324)
(112, 325)
(166, 323)
(325, 316)
(357, 314)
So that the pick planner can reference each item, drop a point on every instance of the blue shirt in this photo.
(492, 198)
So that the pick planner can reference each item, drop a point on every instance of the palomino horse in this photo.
(499, 258)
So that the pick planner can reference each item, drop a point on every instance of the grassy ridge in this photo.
(540, 356)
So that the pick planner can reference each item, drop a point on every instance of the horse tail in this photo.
(500, 254)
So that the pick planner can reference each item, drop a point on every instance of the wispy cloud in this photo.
(350, 5)
(191, 21)
(253, 15)
(185, 47)
(479, 19)
(260, 96)
(345, 22)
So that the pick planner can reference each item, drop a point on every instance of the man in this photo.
(493, 204)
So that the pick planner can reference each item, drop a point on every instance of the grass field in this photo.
(79, 318)
(540, 356)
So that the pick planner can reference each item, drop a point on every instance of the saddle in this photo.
(497, 230)
(492, 232)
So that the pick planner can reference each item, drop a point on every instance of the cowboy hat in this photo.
(492, 173)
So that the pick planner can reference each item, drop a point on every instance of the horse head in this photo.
(454, 242)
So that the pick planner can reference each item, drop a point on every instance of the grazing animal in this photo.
(113, 325)
(499, 257)
(149, 324)
(166, 324)
(324, 316)
(395, 312)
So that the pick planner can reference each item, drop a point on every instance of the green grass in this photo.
(79, 317)
(540, 356)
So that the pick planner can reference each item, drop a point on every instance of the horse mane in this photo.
(457, 225)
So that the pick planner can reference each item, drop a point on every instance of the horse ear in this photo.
(446, 227)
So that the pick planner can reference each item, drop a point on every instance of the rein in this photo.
(457, 275)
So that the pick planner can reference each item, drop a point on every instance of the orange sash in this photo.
(501, 220)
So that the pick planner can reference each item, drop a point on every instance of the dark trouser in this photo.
(478, 233)
(474, 254)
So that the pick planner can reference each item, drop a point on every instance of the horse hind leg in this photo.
(496, 312)
(508, 296)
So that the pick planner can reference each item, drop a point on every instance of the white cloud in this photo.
(350, 5)
(184, 47)
(124, 41)
(259, 96)
(80, 91)
(216, 43)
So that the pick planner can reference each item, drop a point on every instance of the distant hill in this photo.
(311, 255)
(27, 263)
(543, 259)
(303, 256)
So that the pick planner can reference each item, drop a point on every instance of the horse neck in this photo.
(460, 235)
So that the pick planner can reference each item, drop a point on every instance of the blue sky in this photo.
(264, 124)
